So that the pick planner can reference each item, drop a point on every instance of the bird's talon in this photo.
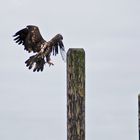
(50, 63)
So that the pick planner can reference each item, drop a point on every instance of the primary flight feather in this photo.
(32, 41)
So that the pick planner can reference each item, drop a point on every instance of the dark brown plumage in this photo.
(32, 41)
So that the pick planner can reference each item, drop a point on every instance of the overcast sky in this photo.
(33, 105)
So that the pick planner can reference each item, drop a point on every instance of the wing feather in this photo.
(21, 36)
(58, 44)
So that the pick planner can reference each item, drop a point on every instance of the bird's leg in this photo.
(49, 60)
(50, 63)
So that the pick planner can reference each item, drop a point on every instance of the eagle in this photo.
(32, 40)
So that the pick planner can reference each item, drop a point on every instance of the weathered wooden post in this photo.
(139, 115)
(76, 94)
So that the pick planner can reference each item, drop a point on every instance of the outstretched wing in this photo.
(58, 44)
(30, 37)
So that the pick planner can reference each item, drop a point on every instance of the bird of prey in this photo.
(32, 41)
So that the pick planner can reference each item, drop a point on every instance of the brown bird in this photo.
(32, 41)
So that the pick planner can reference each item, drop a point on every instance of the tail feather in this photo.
(36, 62)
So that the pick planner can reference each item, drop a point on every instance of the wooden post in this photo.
(139, 115)
(76, 94)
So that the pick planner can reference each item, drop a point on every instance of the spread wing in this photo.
(30, 37)
(58, 44)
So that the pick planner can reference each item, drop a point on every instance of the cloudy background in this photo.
(33, 105)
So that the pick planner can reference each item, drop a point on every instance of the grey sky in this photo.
(33, 105)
